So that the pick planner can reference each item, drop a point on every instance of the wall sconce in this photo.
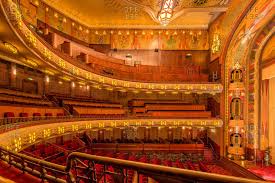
(14, 72)
(47, 79)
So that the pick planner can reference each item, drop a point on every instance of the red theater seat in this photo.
(48, 114)
(9, 115)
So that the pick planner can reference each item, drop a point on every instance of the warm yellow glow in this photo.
(47, 79)
(166, 12)
(11, 48)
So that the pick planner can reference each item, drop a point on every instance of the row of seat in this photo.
(113, 67)
(26, 115)
(91, 104)
(168, 108)
(99, 111)
(19, 93)
(23, 100)
(57, 153)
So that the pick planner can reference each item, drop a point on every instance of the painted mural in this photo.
(220, 26)
(164, 40)
(120, 39)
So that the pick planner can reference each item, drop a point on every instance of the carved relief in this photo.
(236, 109)
(236, 76)
(236, 140)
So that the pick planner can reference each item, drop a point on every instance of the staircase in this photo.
(57, 103)
(208, 154)
(86, 139)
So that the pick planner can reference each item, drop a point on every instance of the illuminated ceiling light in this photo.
(135, 91)
(123, 90)
(11, 48)
(161, 92)
(14, 72)
(47, 79)
(166, 12)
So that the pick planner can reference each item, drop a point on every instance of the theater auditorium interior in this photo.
(137, 91)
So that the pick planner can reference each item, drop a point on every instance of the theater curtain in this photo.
(264, 114)
(271, 116)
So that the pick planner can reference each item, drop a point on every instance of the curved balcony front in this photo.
(80, 71)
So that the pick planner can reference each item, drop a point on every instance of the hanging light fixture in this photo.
(166, 11)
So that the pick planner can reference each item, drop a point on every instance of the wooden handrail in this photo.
(157, 170)
(160, 173)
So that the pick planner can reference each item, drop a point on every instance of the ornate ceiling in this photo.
(139, 13)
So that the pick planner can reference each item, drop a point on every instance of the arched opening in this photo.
(267, 97)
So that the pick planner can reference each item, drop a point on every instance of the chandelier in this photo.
(166, 11)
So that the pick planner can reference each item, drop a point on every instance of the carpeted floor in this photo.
(266, 172)
(11, 173)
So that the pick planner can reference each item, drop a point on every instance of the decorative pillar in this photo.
(13, 75)
(236, 127)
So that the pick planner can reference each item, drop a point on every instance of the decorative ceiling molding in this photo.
(150, 8)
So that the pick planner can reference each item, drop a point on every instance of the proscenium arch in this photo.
(252, 29)
(254, 63)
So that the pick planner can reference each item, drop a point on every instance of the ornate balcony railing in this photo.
(82, 167)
